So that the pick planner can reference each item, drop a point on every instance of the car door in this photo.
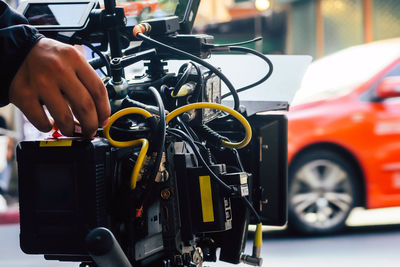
(385, 148)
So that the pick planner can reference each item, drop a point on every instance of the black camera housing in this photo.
(66, 188)
(194, 192)
(64, 191)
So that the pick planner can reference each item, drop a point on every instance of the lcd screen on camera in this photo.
(57, 14)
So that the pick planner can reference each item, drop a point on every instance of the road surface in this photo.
(368, 246)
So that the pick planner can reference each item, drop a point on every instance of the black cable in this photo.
(162, 129)
(199, 86)
(252, 209)
(129, 131)
(157, 82)
(103, 72)
(165, 95)
(201, 62)
(100, 69)
(232, 44)
(201, 146)
(131, 50)
(260, 55)
(190, 132)
(100, 54)
(150, 187)
(239, 162)
(184, 77)
(184, 136)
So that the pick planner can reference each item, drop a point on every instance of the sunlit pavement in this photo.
(360, 245)
(361, 217)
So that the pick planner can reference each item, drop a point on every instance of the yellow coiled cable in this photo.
(234, 113)
(144, 142)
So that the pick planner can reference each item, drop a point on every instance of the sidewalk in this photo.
(9, 211)
(10, 216)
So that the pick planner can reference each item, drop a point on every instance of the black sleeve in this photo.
(16, 40)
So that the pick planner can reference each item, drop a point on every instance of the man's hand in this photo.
(57, 75)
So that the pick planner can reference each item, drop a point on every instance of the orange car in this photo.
(138, 8)
(344, 137)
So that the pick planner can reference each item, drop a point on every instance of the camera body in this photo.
(70, 186)
(64, 187)
(189, 197)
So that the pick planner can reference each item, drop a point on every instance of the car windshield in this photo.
(140, 10)
(339, 73)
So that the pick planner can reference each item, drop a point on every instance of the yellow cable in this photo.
(118, 115)
(234, 113)
(144, 142)
(258, 236)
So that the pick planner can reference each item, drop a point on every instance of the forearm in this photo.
(16, 40)
(42, 71)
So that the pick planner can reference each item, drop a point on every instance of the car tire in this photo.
(144, 14)
(322, 192)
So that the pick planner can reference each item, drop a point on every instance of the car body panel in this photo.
(134, 8)
(368, 129)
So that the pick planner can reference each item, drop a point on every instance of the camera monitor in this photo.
(137, 11)
(186, 10)
(72, 15)
(60, 15)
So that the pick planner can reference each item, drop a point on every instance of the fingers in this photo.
(35, 113)
(57, 75)
(82, 105)
(96, 89)
(85, 93)
(59, 109)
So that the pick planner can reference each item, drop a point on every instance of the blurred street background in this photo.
(370, 176)
(372, 240)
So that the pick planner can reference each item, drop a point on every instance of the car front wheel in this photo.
(322, 192)
(144, 14)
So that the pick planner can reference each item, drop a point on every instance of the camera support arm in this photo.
(104, 249)
(113, 26)
(119, 63)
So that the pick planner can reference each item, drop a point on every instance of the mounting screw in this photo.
(166, 193)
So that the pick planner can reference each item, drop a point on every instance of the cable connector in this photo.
(255, 259)
(210, 135)
(144, 28)
(238, 182)
(185, 89)
(225, 47)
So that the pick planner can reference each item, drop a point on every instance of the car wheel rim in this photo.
(321, 194)
(145, 14)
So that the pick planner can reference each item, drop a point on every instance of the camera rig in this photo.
(175, 174)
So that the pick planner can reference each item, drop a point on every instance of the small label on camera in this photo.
(55, 143)
(206, 199)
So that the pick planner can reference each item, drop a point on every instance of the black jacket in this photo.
(16, 40)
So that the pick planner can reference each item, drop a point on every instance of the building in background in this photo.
(321, 27)
(313, 27)
(232, 21)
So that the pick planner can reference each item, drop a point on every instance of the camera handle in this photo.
(104, 249)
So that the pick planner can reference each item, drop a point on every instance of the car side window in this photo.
(395, 71)
(369, 95)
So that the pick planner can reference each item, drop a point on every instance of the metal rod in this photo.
(113, 31)
(105, 250)
(109, 6)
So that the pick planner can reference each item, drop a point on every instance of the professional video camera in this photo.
(175, 174)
